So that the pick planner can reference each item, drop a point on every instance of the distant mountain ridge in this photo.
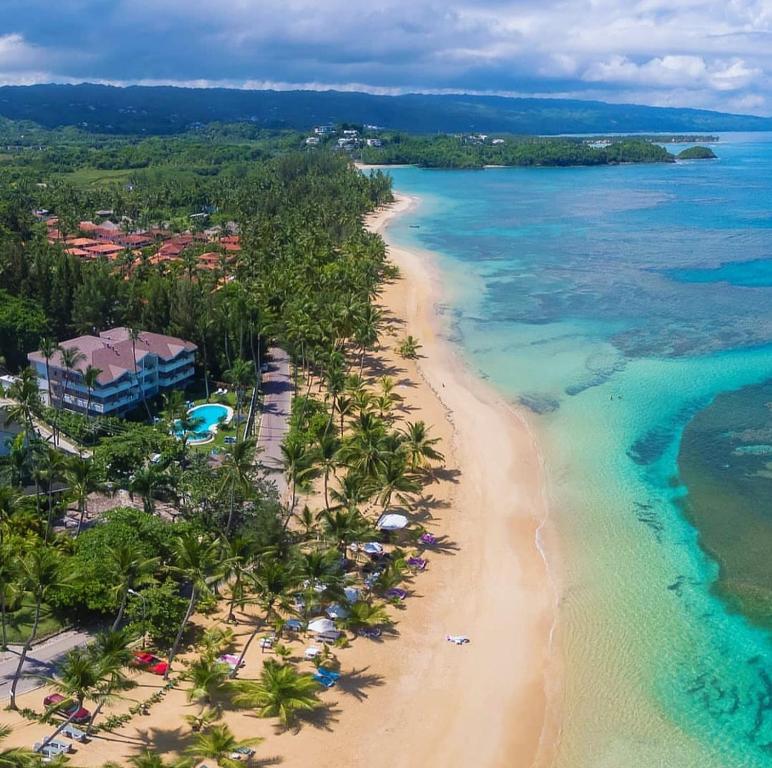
(166, 109)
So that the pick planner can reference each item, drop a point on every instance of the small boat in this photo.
(415, 226)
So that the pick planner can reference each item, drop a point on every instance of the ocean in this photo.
(629, 310)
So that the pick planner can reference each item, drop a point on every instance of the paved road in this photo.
(41, 661)
(274, 419)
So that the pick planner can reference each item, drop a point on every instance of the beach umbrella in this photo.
(391, 522)
(351, 594)
(372, 548)
(337, 611)
(321, 625)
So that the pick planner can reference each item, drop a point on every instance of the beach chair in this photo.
(311, 652)
(326, 677)
(328, 637)
(428, 539)
(372, 633)
(71, 732)
(395, 593)
(417, 563)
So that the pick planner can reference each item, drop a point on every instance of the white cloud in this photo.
(711, 52)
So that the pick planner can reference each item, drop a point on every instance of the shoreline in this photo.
(511, 664)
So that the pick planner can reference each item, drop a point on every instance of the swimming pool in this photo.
(207, 418)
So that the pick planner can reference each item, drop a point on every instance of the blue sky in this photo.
(701, 53)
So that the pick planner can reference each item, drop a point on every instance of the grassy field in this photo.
(19, 623)
(96, 177)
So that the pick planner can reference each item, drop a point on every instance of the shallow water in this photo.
(617, 303)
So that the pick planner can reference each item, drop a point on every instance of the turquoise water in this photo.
(615, 304)
(206, 417)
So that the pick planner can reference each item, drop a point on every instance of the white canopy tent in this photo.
(391, 522)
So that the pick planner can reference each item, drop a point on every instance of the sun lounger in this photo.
(71, 732)
(311, 652)
(328, 637)
(373, 633)
(293, 625)
(325, 681)
(62, 746)
(395, 593)
(418, 563)
(457, 639)
(48, 751)
(267, 642)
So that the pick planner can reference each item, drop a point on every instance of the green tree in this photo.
(197, 561)
(218, 743)
(16, 757)
(127, 570)
(82, 481)
(40, 573)
(281, 692)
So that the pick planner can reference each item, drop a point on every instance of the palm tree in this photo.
(203, 720)
(134, 335)
(48, 348)
(78, 677)
(298, 465)
(395, 477)
(9, 502)
(408, 348)
(127, 569)
(363, 614)
(26, 396)
(111, 652)
(207, 677)
(419, 446)
(239, 553)
(218, 744)
(16, 757)
(90, 379)
(148, 759)
(82, 480)
(270, 583)
(281, 692)
(344, 526)
(327, 448)
(9, 583)
(236, 474)
(40, 573)
(52, 466)
(197, 560)
(145, 482)
(241, 374)
(72, 357)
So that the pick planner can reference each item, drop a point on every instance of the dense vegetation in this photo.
(697, 153)
(166, 110)
(474, 152)
(206, 535)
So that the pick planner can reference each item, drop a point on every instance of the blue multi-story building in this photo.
(129, 370)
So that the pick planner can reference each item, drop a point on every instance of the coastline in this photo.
(497, 588)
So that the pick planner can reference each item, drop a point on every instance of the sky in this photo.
(714, 54)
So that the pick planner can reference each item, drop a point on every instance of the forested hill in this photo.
(163, 110)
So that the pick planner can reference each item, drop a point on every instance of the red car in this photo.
(149, 662)
(73, 711)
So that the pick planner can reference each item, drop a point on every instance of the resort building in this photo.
(162, 362)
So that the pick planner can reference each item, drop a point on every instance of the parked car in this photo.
(151, 663)
(70, 710)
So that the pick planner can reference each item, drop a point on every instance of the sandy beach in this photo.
(415, 699)
(484, 704)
